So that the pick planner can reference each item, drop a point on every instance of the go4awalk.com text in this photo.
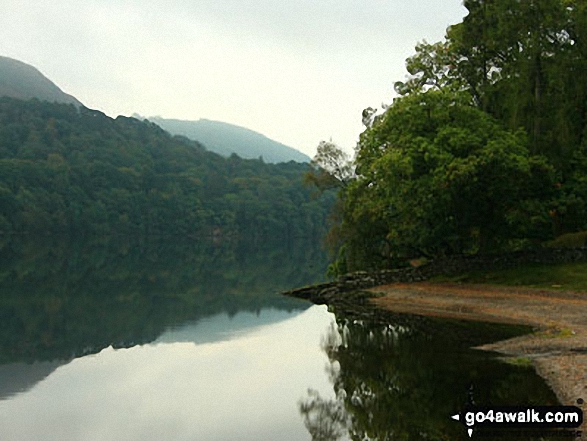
(538, 417)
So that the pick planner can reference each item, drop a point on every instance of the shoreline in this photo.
(557, 348)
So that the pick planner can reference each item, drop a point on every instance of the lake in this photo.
(151, 339)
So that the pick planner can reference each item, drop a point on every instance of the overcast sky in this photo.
(298, 71)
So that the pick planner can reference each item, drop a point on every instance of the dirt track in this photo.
(558, 348)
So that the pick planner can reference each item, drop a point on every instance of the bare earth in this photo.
(558, 347)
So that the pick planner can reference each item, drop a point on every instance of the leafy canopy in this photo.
(486, 148)
(438, 176)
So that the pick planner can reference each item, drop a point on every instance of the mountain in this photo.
(23, 81)
(226, 139)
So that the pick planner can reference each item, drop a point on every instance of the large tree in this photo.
(486, 149)
(438, 176)
(518, 61)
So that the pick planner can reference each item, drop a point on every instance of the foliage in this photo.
(569, 240)
(331, 168)
(332, 171)
(78, 171)
(486, 148)
(432, 67)
(520, 61)
(438, 176)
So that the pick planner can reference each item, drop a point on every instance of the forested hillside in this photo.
(70, 170)
(484, 150)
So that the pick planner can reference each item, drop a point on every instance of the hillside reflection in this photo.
(62, 298)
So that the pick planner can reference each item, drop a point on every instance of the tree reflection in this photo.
(403, 381)
(325, 419)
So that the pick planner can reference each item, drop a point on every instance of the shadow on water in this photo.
(62, 298)
(402, 377)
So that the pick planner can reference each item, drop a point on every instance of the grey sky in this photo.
(299, 71)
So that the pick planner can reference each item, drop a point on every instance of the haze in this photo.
(298, 72)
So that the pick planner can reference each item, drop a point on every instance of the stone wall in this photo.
(330, 292)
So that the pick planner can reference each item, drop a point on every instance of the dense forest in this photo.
(65, 169)
(485, 148)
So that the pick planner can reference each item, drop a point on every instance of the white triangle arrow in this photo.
(470, 432)
(456, 417)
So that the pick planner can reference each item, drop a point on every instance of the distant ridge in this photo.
(226, 139)
(23, 81)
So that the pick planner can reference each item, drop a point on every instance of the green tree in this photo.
(518, 61)
(331, 170)
(434, 66)
(485, 151)
(438, 176)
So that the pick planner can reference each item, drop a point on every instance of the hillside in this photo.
(226, 139)
(72, 170)
(23, 81)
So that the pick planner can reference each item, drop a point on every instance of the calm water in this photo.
(149, 340)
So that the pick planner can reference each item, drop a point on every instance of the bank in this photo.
(558, 346)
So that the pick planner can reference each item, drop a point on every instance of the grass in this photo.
(556, 333)
(519, 361)
(568, 276)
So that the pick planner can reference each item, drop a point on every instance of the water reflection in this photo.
(17, 378)
(243, 388)
(223, 326)
(401, 379)
(148, 340)
(61, 299)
